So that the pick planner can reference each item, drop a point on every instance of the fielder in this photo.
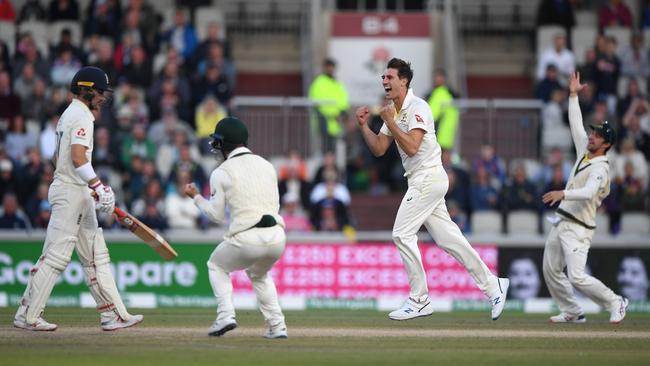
(408, 120)
(573, 226)
(255, 240)
(73, 223)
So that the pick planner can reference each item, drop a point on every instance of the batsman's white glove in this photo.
(105, 197)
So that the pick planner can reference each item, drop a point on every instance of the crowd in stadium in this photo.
(171, 88)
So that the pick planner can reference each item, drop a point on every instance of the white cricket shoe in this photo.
(566, 318)
(617, 312)
(412, 309)
(221, 327)
(277, 332)
(41, 325)
(498, 299)
(119, 323)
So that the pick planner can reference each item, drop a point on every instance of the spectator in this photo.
(42, 218)
(639, 108)
(105, 158)
(634, 58)
(147, 21)
(613, 14)
(32, 207)
(608, 68)
(213, 83)
(494, 166)
(65, 43)
(215, 56)
(328, 116)
(588, 69)
(137, 145)
(181, 36)
(39, 103)
(458, 192)
(102, 16)
(5, 58)
(8, 180)
(153, 193)
(329, 213)
(631, 192)
(163, 131)
(555, 132)
(520, 193)
(445, 114)
(10, 103)
(135, 108)
(134, 31)
(295, 219)
(7, 12)
(170, 90)
(554, 159)
(64, 68)
(484, 196)
(64, 10)
(180, 209)
(169, 153)
(18, 139)
(330, 186)
(213, 34)
(139, 70)
(104, 58)
(30, 175)
(47, 139)
(629, 153)
(27, 52)
(208, 113)
(11, 217)
(153, 218)
(557, 182)
(292, 179)
(25, 82)
(556, 12)
(458, 217)
(632, 129)
(32, 10)
(186, 163)
(587, 99)
(559, 56)
(548, 84)
(329, 163)
(633, 93)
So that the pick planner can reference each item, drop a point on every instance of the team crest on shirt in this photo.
(419, 119)
(81, 132)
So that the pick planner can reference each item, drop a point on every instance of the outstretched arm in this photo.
(578, 133)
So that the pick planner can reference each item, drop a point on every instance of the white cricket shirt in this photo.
(75, 126)
(416, 113)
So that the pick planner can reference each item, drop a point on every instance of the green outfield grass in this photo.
(328, 337)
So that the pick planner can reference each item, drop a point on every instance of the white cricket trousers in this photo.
(424, 203)
(256, 251)
(567, 246)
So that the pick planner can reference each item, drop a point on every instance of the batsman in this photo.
(255, 239)
(73, 223)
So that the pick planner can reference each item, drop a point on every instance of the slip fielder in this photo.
(73, 223)
(255, 240)
(573, 226)
(408, 120)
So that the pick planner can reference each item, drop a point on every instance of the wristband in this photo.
(95, 186)
(86, 172)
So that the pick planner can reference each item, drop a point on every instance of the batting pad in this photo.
(100, 279)
(44, 275)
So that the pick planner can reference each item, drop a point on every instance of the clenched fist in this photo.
(363, 114)
(190, 190)
(387, 113)
(104, 196)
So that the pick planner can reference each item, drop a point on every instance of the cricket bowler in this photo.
(568, 242)
(255, 239)
(73, 223)
(408, 120)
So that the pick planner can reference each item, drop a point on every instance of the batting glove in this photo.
(105, 197)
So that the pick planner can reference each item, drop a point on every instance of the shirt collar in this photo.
(407, 100)
(84, 107)
(238, 150)
(596, 159)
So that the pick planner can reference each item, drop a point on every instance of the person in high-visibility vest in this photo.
(327, 89)
(445, 114)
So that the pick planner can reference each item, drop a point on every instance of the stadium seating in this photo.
(635, 223)
(522, 222)
(8, 35)
(582, 38)
(486, 222)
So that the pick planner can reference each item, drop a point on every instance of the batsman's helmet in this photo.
(90, 77)
(605, 131)
(229, 133)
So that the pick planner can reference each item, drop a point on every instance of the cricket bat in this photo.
(146, 234)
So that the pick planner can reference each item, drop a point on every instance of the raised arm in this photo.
(578, 132)
(377, 143)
